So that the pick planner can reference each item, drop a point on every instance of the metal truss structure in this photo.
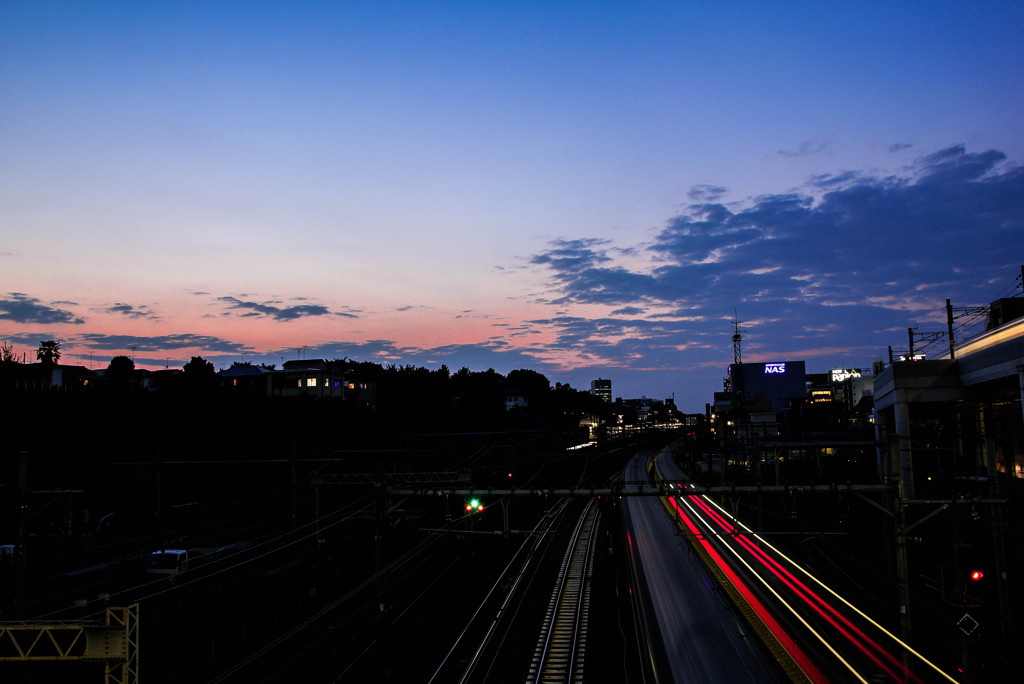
(115, 643)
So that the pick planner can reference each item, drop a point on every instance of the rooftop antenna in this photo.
(737, 338)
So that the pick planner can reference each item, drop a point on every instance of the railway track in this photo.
(558, 657)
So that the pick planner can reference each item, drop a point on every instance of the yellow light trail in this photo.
(821, 584)
(781, 600)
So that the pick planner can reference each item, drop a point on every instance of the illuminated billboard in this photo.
(780, 381)
(841, 374)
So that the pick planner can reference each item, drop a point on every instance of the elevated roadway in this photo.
(729, 606)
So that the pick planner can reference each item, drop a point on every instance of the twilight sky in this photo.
(586, 189)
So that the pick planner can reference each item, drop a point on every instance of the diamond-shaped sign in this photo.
(967, 624)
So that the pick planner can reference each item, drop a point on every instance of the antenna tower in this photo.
(737, 338)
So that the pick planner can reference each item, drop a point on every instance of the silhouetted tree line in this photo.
(422, 398)
(407, 399)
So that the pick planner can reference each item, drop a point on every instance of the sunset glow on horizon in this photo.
(583, 189)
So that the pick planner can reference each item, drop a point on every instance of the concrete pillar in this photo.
(883, 427)
(998, 541)
(1020, 383)
(902, 416)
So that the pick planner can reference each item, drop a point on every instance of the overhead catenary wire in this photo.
(300, 534)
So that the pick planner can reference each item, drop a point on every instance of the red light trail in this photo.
(694, 509)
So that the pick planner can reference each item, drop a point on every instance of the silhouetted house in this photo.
(514, 398)
(247, 380)
(313, 378)
(360, 393)
(164, 378)
(307, 378)
(41, 376)
(73, 377)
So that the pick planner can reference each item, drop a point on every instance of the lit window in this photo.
(310, 382)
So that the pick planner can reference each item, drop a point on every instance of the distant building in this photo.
(41, 376)
(819, 388)
(514, 398)
(777, 383)
(307, 378)
(602, 388)
(359, 392)
(314, 378)
(247, 379)
(852, 386)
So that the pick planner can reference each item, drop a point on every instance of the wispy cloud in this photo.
(274, 310)
(131, 311)
(806, 149)
(160, 343)
(706, 193)
(964, 209)
(845, 259)
(21, 308)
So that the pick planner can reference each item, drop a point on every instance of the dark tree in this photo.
(48, 352)
(478, 398)
(199, 368)
(120, 371)
(530, 381)
(199, 376)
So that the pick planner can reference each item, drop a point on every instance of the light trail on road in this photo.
(814, 617)
(787, 642)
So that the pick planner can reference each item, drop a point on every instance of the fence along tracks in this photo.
(560, 648)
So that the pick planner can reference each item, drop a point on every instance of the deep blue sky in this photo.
(588, 189)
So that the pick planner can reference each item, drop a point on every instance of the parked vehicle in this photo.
(167, 562)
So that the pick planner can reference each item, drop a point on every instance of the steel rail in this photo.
(517, 570)
(559, 654)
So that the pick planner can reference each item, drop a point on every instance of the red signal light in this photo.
(976, 575)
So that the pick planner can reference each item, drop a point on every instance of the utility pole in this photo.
(292, 455)
(949, 327)
(20, 552)
(737, 359)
